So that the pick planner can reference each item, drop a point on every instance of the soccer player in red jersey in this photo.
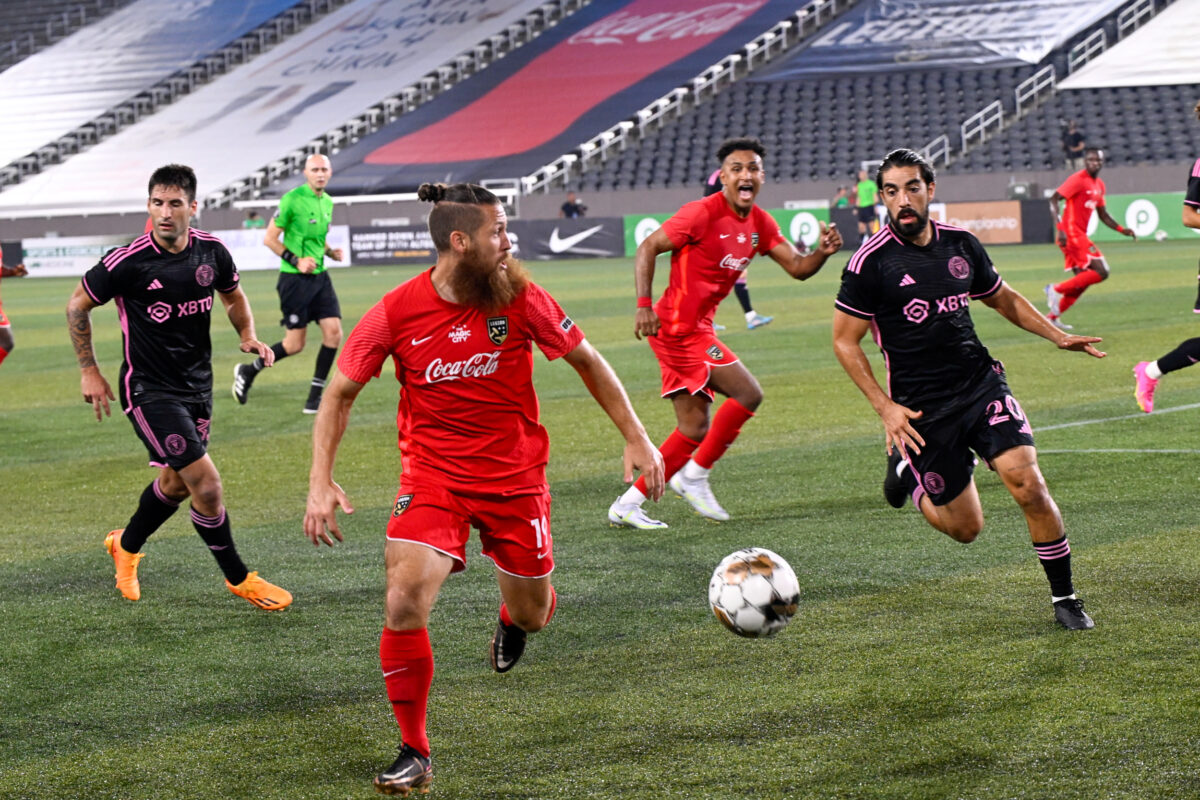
(163, 284)
(1083, 193)
(461, 336)
(711, 242)
(6, 337)
(1146, 374)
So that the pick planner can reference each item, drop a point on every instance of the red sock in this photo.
(726, 425)
(1072, 288)
(407, 662)
(3, 355)
(676, 451)
(507, 620)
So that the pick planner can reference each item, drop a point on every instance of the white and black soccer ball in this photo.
(754, 592)
(1160, 236)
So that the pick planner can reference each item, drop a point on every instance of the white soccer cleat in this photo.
(631, 515)
(699, 495)
(1053, 301)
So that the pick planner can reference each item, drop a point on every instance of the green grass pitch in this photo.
(916, 667)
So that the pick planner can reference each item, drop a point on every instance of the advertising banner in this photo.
(799, 225)
(1157, 215)
(545, 240)
(992, 223)
(402, 244)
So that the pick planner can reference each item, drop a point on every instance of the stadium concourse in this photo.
(525, 94)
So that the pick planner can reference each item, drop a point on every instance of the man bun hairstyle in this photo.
(456, 207)
(740, 143)
(174, 175)
(905, 157)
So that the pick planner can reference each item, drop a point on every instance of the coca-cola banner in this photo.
(592, 70)
(546, 240)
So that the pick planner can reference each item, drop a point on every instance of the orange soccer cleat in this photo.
(261, 593)
(126, 564)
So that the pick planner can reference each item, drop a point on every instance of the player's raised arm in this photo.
(237, 308)
(605, 386)
(79, 322)
(646, 321)
(1013, 306)
(803, 266)
(324, 495)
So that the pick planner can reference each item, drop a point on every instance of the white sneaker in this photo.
(1053, 301)
(718, 326)
(757, 321)
(631, 515)
(700, 495)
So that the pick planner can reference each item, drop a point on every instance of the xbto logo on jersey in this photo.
(497, 328)
(401, 504)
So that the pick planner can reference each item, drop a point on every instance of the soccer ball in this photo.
(1160, 236)
(754, 592)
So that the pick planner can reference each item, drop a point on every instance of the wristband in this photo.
(1121, 229)
(644, 302)
(289, 257)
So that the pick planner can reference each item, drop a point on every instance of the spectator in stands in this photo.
(867, 195)
(573, 208)
(1073, 145)
(1083, 191)
(841, 199)
(6, 337)
(253, 220)
(1147, 374)
(297, 234)
(742, 287)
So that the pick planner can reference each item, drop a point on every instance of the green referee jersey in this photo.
(305, 220)
(866, 192)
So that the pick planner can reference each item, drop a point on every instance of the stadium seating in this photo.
(30, 25)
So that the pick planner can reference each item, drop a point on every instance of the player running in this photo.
(1146, 374)
(1084, 192)
(910, 284)
(163, 284)
(6, 337)
(474, 454)
(711, 242)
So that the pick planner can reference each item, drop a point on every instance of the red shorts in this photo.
(1078, 251)
(687, 360)
(4, 323)
(514, 531)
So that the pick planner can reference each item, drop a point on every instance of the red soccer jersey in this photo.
(468, 414)
(712, 248)
(1083, 195)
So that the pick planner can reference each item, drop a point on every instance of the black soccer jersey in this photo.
(1192, 198)
(164, 302)
(916, 299)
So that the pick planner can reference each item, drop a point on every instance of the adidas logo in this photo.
(907, 280)
(154, 284)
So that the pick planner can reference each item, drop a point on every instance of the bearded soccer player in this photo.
(910, 285)
(163, 284)
(461, 336)
(1146, 374)
(6, 337)
(711, 242)
(1083, 193)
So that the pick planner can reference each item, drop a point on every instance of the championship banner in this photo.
(992, 223)
(404, 244)
(1150, 216)
(545, 240)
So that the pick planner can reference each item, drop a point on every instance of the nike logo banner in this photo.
(543, 240)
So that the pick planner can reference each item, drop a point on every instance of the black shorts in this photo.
(866, 213)
(175, 432)
(306, 298)
(989, 422)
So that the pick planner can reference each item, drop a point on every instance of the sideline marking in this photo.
(1118, 450)
(1115, 419)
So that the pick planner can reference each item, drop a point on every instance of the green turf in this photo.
(916, 668)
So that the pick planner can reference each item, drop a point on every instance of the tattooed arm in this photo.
(79, 322)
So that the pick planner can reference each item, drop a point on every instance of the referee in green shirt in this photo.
(867, 197)
(297, 235)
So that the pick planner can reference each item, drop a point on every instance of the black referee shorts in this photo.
(306, 298)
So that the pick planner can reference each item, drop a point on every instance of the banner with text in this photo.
(799, 225)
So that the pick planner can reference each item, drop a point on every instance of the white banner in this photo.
(305, 86)
(1160, 53)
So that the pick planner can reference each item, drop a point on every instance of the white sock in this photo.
(694, 472)
(903, 465)
(632, 496)
(1054, 599)
(751, 314)
(1152, 371)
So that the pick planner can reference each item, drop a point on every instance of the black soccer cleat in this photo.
(1070, 614)
(409, 771)
(897, 488)
(508, 643)
(243, 378)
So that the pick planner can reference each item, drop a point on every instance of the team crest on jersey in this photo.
(754, 239)
(401, 504)
(716, 353)
(497, 328)
(958, 267)
(205, 275)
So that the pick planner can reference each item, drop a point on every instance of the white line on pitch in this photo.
(1118, 450)
(1113, 419)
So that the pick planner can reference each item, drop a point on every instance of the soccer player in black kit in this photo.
(911, 283)
(163, 283)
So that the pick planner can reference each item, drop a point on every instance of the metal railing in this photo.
(1030, 91)
(990, 119)
(938, 150)
(1132, 17)
(1086, 50)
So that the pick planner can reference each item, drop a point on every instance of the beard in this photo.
(485, 286)
(910, 227)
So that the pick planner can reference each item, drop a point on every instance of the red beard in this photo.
(486, 286)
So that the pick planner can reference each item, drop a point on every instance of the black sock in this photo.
(743, 296)
(1056, 561)
(280, 354)
(216, 533)
(1182, 356)
(321, 372)
(154, 508)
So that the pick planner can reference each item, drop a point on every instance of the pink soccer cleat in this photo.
(1144, 387)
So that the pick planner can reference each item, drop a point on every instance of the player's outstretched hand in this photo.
(645, 323)
(830, 240)
(260, 349)
(1082, 344)
(320, 518)
(644, 457)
